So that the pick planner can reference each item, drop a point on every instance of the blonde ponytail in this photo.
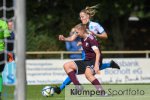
(91, 11)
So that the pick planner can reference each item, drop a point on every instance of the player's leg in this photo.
(66, 82)
(111, 64)
(71, 68)
(89, 74)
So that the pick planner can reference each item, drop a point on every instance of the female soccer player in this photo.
(90, 65)
(98, 31)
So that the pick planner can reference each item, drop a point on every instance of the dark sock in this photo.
(73, 78)
(97, 84)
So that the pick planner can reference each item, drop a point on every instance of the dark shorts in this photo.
(83, 64)
(2, 61)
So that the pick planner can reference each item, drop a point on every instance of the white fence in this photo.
(62, 53)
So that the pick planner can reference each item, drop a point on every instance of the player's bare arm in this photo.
(102, 36)
(97, 52)
(71, 38)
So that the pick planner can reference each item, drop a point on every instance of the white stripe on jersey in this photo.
(94, 47)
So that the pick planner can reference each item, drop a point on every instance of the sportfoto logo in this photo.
(86, 92)
(124, 92)
(108, 92)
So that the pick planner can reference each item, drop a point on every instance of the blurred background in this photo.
(127, 23)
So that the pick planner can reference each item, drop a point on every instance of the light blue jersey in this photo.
(95, 27)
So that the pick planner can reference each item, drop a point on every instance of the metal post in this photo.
(20, 16)
(62, 56)
(147, 54)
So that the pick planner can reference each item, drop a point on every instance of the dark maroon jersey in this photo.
(87, 47)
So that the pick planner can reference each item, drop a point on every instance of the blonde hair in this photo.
(80, 27)
(83, 28)
(91, 11)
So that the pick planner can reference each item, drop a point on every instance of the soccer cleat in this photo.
(114, 65)
(57, 90)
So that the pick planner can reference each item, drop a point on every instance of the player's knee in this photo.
(89, 76)
(66, 66)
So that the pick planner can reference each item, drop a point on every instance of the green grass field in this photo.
(34, 93)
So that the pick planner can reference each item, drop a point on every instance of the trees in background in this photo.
(48, 18)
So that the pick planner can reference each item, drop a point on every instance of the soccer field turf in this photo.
(34, 93)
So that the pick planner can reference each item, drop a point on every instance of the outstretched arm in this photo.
(71, 38)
